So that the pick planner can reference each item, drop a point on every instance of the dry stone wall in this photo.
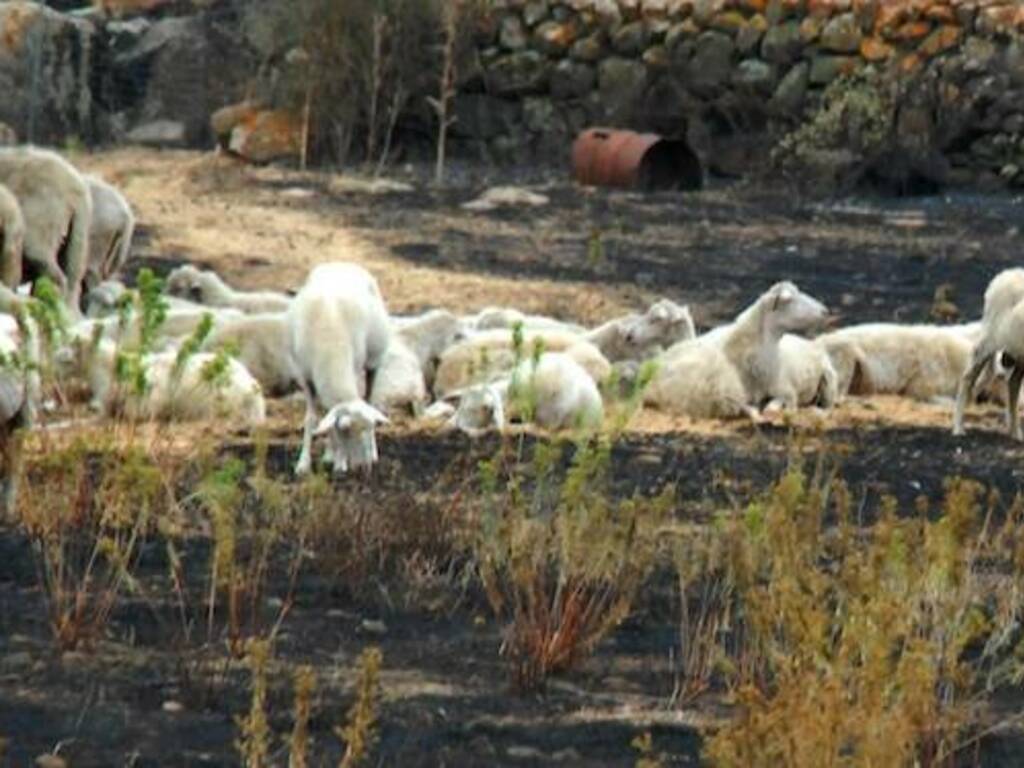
(733, 75)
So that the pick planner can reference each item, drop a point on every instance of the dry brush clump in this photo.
(840, 645)
(560, 560)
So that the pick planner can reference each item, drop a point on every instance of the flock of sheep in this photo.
(335, 342)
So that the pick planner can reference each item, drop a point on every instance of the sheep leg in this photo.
(1012, 412)
(979, 359)
(305, 463)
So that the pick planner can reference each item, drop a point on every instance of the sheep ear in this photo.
(327, 423)
(783, 295)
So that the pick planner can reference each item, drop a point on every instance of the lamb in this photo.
(554, 392)
(261, 343)
(340, 303)
(923, 362)
(1002, 335)
(188, 389)
(111, 231)
(698, 377)
(205, 287)
(57, 209)
(489, 355)
(12, 239)
(638, 337)
(407, 372)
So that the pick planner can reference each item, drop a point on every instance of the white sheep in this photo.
(57, 208)
(640, 336)
(339, 330)
(1002, 335)
(12, 239)
(406, 374)
(490, 355)
(699, 377)
(176, 387)
(111, 232)
(554, 392)
(805, 375)
(102, 299)
(177, 324)
(206, 287)
(261, 342)
(922, 362)
(505, 318)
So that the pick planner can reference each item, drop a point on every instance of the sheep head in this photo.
(480, 408)
(350, 428)
(186, 282)
(662, 325)
(790, 310)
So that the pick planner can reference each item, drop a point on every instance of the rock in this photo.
(875, 49)
(505, 197)
(684, 32)
(539, 114)
(749, 37)
(589, 49)
(825, 69)
(571, 78)
(267, 135)
(978, 53)
(630, 39)
(711, 64)
(730, 22)
(621, 83)
(46, 68)
(782, 43)
(657, 58)
(512, 33)
(172, 706)
(754, 75)
(159, 133)
(48, 760)
(373, 627)
(188, 67)
(942, 39)
(553, 37)
(535, 12)
(8, 136)
(480, 116)
(17, 660)
(789, 96)
(517, 73)
(841, 34)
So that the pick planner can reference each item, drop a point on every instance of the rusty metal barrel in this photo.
(608, 157)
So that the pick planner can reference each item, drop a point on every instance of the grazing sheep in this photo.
(489, 355)
(12, 238)
(923, 362)
(637, 337)
(188, 390)
(1001, 335)
(554, 392)
(340, 331)
(261, 343)
(805, 375)
(406, 374)
(205, 287)
(57, 209)
(505, 318)
(110, 236)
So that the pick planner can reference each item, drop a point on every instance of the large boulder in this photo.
(179, 69)
(45, 67)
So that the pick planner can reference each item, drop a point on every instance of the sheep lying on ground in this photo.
(923, 362)
(554, 392)
(805, 375)
(261, 343)
(177, 324)
(19, 396)
(698, 377)
(640, 336)
(1001, 334)
(339, 302)
(205, 287)
(490, 355)
(111, 232)
(12, 239)
(57, 208)
(199, 386)
(406, 374)
(103, 298)
(505, 318)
